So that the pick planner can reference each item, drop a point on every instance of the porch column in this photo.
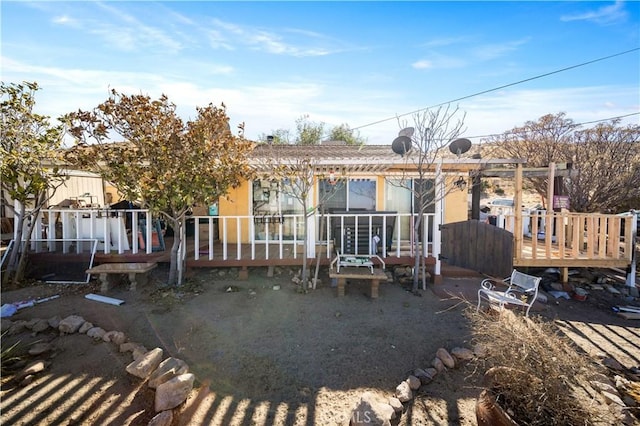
(437, 221)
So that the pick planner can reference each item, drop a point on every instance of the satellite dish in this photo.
(401, 145)
(407, 131)
(460, 146)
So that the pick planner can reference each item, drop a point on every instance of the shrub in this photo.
(536, 374)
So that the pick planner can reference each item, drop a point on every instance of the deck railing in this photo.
(112, 228)
(553, 235)
(230, 237)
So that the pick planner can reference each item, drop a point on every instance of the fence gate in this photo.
(478, 246)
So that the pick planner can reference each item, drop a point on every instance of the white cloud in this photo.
(66, 20)
(492, 51)
(422, 64)
(604, 15)
(446, 41)
(226, 35)
(439, 61)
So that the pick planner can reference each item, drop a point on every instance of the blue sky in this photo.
(339, 62)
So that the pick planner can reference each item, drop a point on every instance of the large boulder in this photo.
(167, 370)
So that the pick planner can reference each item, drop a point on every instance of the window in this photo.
(354, 194)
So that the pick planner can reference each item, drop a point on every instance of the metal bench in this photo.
(522, 290)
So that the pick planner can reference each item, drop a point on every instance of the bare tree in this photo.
(606, 174)
(540, 142)
(296, 177)
(434, 130)
(605, 160)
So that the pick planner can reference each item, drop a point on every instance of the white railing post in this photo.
(51, 230)
(107, 235)
(196, 237)
(210, 237)
(135, 243)
(238, 238)
(437, 219)
(631, 275)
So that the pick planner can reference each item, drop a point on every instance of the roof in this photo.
(360, 158)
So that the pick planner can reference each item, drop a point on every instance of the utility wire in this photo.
(573, 125)
(501, 87)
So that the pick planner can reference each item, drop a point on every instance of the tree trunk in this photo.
(22, 262)
(315, 276)
(174, 275)
(17, 261)
(305, 284)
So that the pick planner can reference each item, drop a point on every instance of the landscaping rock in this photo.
(462, 354)
(85, 327)
(167, 370)
(37, 325)
(33, 368)
(437, 364)
(27, 380)
(71, 324)
(422, 376)
(414, 382)
(54, 322)
(138, 352)
(40, 348)
(96, 333)
(372, 411)
(144, 366)
(115, 337)
(17, 327)
(446, 358)
(404, 392)
(396, 404)
(164, 418)
(174, 392)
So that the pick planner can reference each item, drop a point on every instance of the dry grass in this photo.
(538, 377)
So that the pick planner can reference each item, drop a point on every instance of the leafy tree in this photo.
(30, 173)
(433, 131)
(311, 133)
(163, 163)
(308, 132)
(605, 159)
(344, 133)
(277, 137)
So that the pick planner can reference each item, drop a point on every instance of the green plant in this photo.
(8, 355)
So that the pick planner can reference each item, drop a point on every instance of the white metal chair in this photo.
(522, 290)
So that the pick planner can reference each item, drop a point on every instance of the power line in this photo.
(501, 87)
(573, 125)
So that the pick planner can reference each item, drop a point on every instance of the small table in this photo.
(137, 273)
(355, 273)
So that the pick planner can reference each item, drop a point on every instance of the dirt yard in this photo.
(263, 356)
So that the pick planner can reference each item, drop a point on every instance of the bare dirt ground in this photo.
(272, 357)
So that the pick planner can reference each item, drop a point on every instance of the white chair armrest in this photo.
(487, 284)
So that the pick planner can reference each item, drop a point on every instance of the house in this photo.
(358, 195)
